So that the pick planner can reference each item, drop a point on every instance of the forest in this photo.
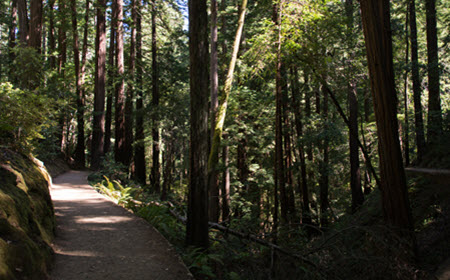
(269, 139)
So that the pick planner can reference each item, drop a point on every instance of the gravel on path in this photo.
(97, 239)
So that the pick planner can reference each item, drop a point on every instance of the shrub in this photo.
(23, 114)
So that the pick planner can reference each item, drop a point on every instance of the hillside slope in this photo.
(26, 217)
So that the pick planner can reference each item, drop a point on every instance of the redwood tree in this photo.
(35, 24)
(417, 90)
(79, 153)
(434, 99)
(155, 172)
(377, 33)
(119, 144)
(99, 94)
(197, 215)
(139, 150)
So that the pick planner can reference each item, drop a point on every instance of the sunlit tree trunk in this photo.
(139, 150)
(222, 110)
(130, 89)
(377, 33)
(197, 215)
(110, 90)
(155, 176)
(119, 117)
(214, 211)
(62, 59)
(417, 90)
(98, 126)
(434, 98)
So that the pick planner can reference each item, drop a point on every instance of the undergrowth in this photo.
(358, 246)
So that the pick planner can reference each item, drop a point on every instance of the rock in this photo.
(27, 221)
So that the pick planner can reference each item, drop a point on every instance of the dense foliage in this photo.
(299, 65)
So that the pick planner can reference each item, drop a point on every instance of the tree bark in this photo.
(119, 117)
(355, 171)
(377, 33)
(197, 216)
(155, 176)
(221, 113)
(434, 99)
(288, 161)
(51, 35)
(110, 90)
(12, 30)
(130, 89)
(99, 96)
(417, 91)
(280, 180)
(214, 211)
(306, 215)
(405, 94)
(62, 38)
(225, 186)
(36, 11)
(324, 166)
(23, 21)
(79, 150)
(139, 150)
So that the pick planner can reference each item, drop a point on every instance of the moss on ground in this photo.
(27, 220)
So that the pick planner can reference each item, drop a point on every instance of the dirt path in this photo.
(96, 239)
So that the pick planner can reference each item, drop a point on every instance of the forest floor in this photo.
(96, 239)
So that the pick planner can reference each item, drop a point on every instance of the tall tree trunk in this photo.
(139, 150)
(155, 172)
(434, 98)
(84, 50)
(197, 215)
(221, 113)
(242, 167)
(280, 181)
(12, 30)
(323, 167)
(62, 59)
(51, 35)
(306, 215)
(355, 172)
(62, 38)
(23, 21)
(225, 185)
(110, 90)
(417, 91)
(79, 151)
(214, 211)
(405, 94)
(119, 144)
(130, 90)
(288, 161)
(36, 11)
(377, 33)
(98, 125)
